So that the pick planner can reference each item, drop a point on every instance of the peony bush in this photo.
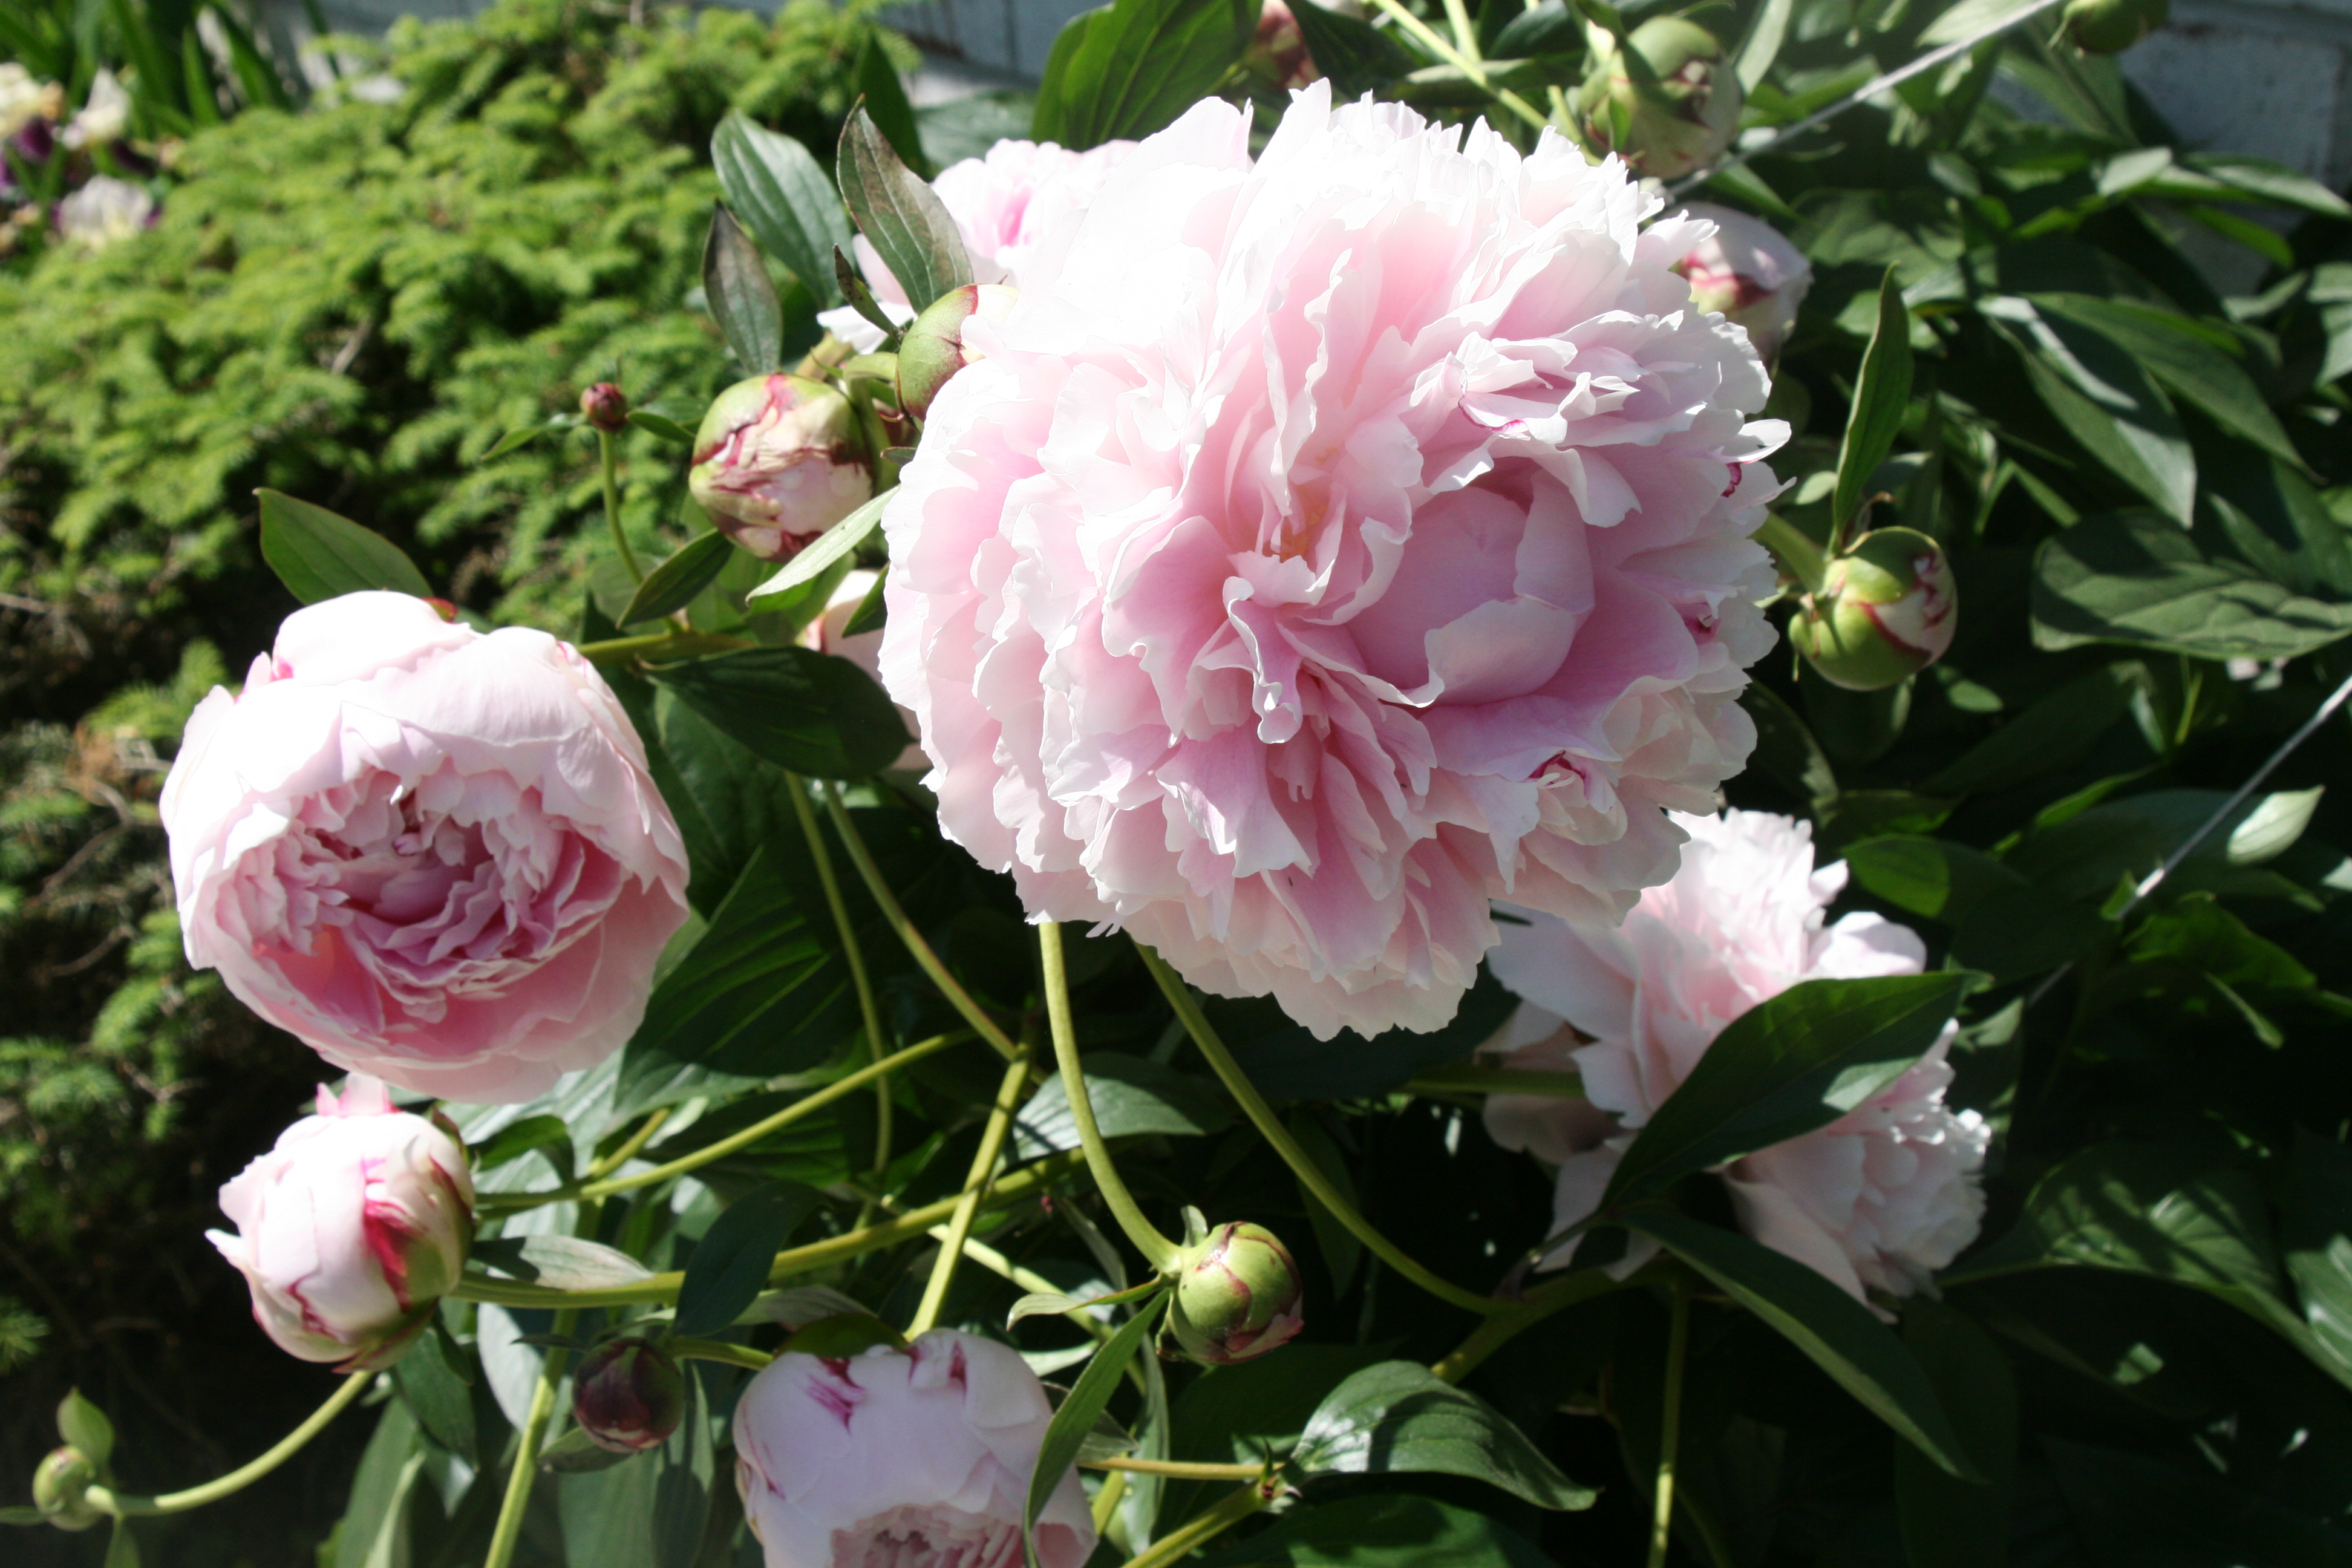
(1734, 921)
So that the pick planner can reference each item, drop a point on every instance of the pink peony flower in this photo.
(1006, 205)
(431, 855)
(1881, 1197)
(1326, 544)
(913, 1459)
(1747, 269)
(358, 1219)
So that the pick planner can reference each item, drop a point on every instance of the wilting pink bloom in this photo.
(431, 854)
(357, 1220)
(913, 1459)
(1748, 270)
(1881, 1197)
(1329, 544)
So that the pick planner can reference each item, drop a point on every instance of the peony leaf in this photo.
(675, 583)
(1383, 1530)
(781, 194)
(84, 1425)
(730, 1266)
(1065, 1435)
(899, 214)
(560, 1262)
(374, 1526)
(2106, 398)
(1398, 1417)
(2135, 579)
(644, 1511)
(550, 1134)
(1949, 1522)
(1843, 1338)
(835, 542)
(434, 1377)
(1882, 395)
(1132, 67)
(886, 100)
(1789, 1064)
(318, 555)
(576, 1453)
(811, 713)
(1930, 877)
(2318, 1235)
(1130, 1095)
(1360, 57)
(661, 425)
(743, 300)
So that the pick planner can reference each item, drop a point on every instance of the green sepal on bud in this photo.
(61, 1489)
(628, 1396)
(1677, 113)
(1237, 1295)
(1887, 609)
(934, 350)
(2111, 26)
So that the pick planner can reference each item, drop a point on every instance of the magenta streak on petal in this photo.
(1881, 627)
(839, 1402)
(1738, 472)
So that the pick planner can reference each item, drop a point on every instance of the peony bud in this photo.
(776, 463)
(351, 1228)
(1887, 610)
(1278, 54)
(2111, 26)
(1237, 1297)
(1685, 120)
(934, 349)
(606, 408)
(628, 1396)
(1750, 272)
(61, 1487)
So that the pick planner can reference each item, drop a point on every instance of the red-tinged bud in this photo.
(1747, 271)
(1278, 56)
(604, 406)
(776, 463)
(2111, 26)
(934, 349)
(1682, 120)
(61, 1487)
(628, 1396)
(1887, 610)
(1237, 1296)
(443, 608)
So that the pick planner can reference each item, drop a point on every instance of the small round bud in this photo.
(933, 349)
(1236, 1296)
(776, 463)
(605, 407)
(1747, 271)
(1682, 121)
(628, 1396)
(1887, 610)
(61, 1487)
(2111, 26)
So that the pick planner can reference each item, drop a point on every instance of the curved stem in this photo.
(679, 645)
(1662, 1517)
(1161, 1252)
(526, 1460)
(896, 913)
(612, 505)
(867, 1009)
(717, 1350)
(628, 1149)
(975, 1187)
(1179, 1468)
(1534, 1308)
(1310, 1175)
(245, 1475)
(1462, 62)
(1229, 1510)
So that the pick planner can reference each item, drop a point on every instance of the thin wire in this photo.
(2149, 883)
(1894, 77)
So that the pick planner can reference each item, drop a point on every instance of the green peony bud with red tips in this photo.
(934, 349)
(777, 462)
(1237, 1295)
(1887, 609)
(61, 1487)
(605, 407)
(2111, 26)
(1681, 119)
(628, 1396)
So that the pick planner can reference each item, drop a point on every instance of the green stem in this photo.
(1181, 1470)
(245, 1475)
(677, 644)
(717, 1350)
(1793, 550)
(1469, 1078)
(975, 1187)
(866, 1007)
(1534, 1308)
(1466, 37)
(1677, 1351)
(628, 1150)
(526, 1460)
(1179, 1543)
(1157, 1250)
(1462, 62)
(1310, 1175)
(612, 505)
(896, 913)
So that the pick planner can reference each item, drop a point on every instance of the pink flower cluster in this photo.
(1329, 542)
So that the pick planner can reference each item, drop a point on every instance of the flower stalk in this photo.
(1661, 1516)
(867, 1009)
(1158, 1249)
(1227, 1511)
(123, 1506)
(517, 1502)
(609, 460)
(975, 1187)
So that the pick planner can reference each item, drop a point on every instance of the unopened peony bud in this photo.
(606, 408)
(628, 1396)
(934, 348)
(1750, 272)
(2111, 26)
(351, 1228)
(1682, 121)
(776, 463)
(1278, 54)
(1237, 1297)
(1887, 610)
(61, 1487)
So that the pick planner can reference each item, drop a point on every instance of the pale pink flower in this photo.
(357, 1220)
(1881, 1197)
(913, 1459)
(1326, 544)
(431, 854)
(1747, 269)
(1004, 203)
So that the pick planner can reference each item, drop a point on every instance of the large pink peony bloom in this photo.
(914, 1458)
(1329, 544)
(432, 855)
(360, 1216)
(1004, 205)
(1881, 1197)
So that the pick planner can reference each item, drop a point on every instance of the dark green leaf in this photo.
(2174, 352)
(320, 556)
(2027, 930)
(645, 1513)
(437, 1385)
(1131, 1095)
(1287, 1062)
(869, 616)
(576, 1452)
(667, 429)
(1340, 1248)
(1233, 1413)
(782, 196)
(886, 101)
(1786, 751)
(2132, 1511)
(2318, 1235)
(2135, 579)
(1949, 1522)
(908, 224)
(741, 298)
(2278, 524)
(2057, 731)
(818, 715)
(1065, 1435)
(673, 584)
(1881, 397)
(730, 1266)
(2270, 182)
(833, 544)
(84, 1425)
(1132, 67)
(1382, 1530)
(1360, 57)
(968, 127)
(1930, 877)
(2105, 399)
(517, 1138)
(1841, 1335)
(1398, 1417)
(1789, 1064)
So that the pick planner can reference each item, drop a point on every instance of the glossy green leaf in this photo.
(1930, 877)
(730, 1266)
(742, 300)
(1399, 1418)
(646, 1511)
(1839, 1333)
(834, 544)
(1387, 1530)
(437, 1383)
(2317, 1235)
(1789, 1064)
(1065, 1435)
(1233, 1414)
(318, 555)
(1758, 47)
(666, 429)
(2105, 399)
(886, 100)
(819, 716)
(674, 585)
(1132, 67)
(781, 195)
(2056, 731)
(576, 1452)
(1881, 397)
(1949, 1522)
(1130, 1095)
(2183, 360)
(899, 214)
(1786, 750)
(516, 1139)
(1360, 57)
